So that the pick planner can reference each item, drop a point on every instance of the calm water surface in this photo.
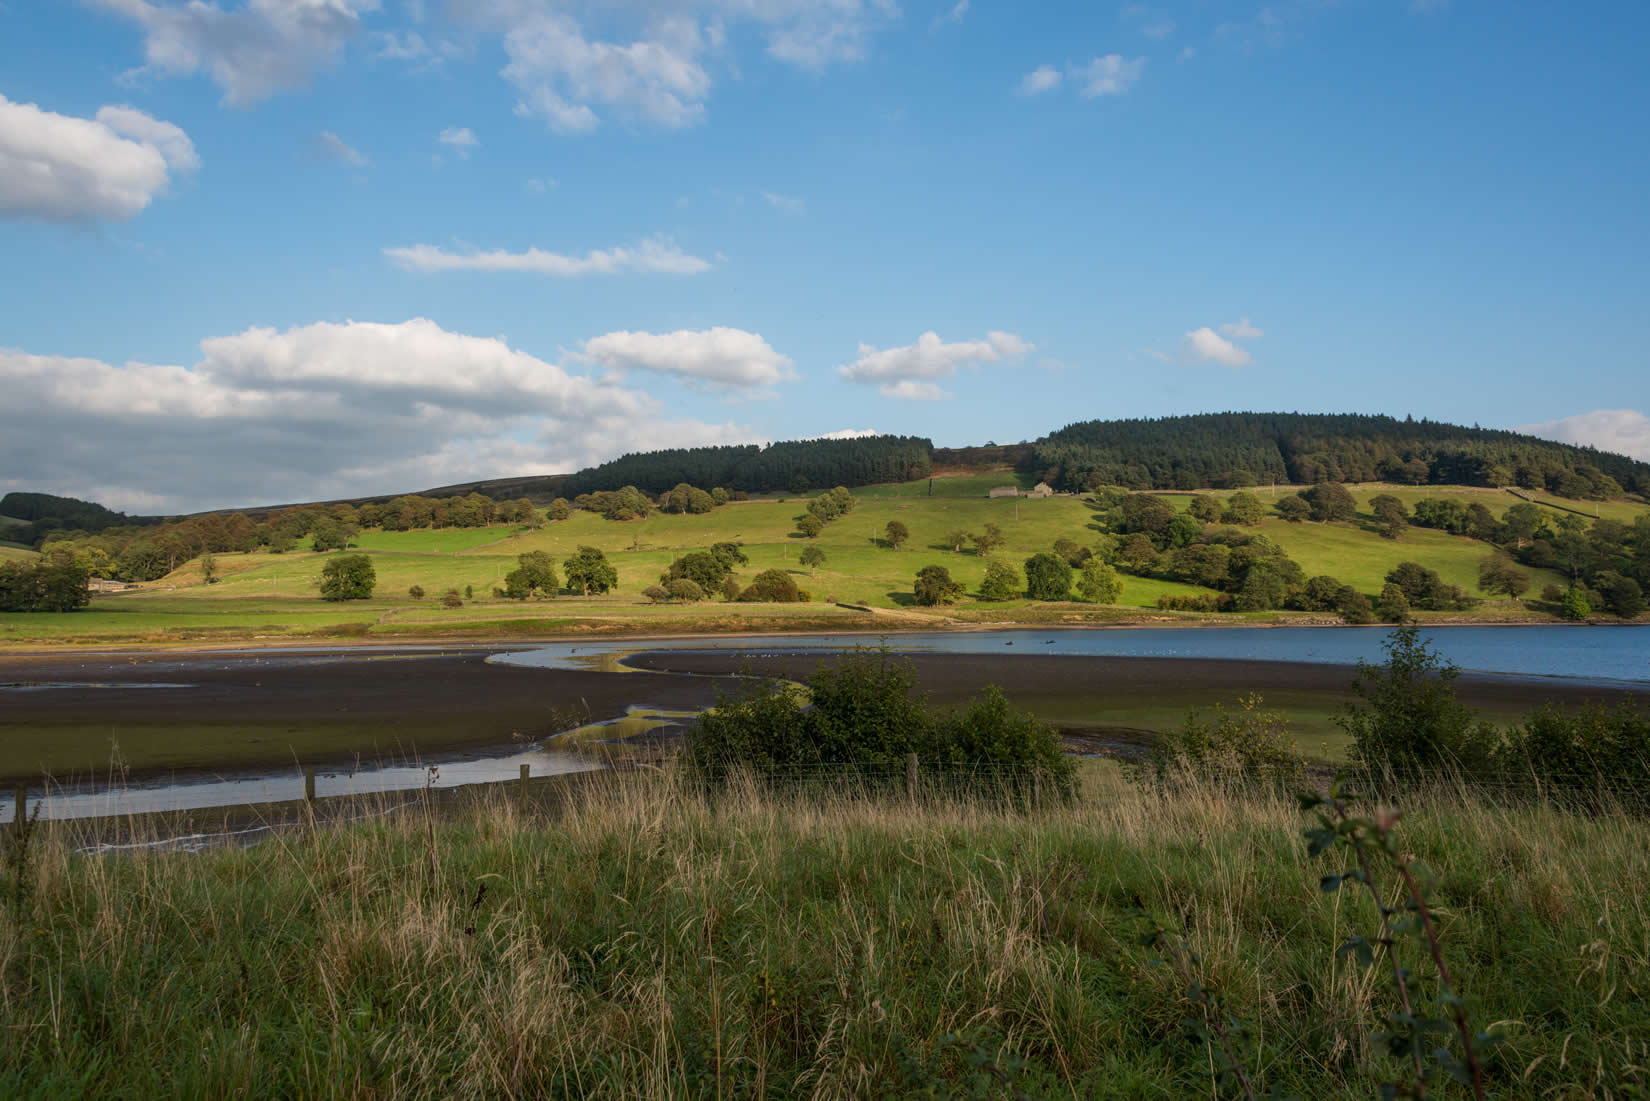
(1580, 653)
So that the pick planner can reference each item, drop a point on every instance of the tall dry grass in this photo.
(649, 942)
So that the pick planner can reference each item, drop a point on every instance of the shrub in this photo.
(451, 599)
(1575, 605)
(656, 594)
(416, 592)
(1201, 602)
(1245, 743)
(685, 590)
(771, 587)
(864, 713)
(1408, 719)
(1591, 753)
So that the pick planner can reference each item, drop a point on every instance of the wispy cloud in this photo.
(654, 254)
(460, 138)
(328, 146)
(785, 204)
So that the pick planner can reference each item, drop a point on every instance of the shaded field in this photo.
(647, 943)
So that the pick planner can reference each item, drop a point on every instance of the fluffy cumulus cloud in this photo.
(1207, 345)
(913, 371)
(652, 255)
(1624, 431)
(249, 52)
(316, 411)
(67, 169)
(720, 358)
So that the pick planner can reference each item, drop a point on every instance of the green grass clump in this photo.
(648, 944)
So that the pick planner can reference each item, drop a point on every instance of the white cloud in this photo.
(911, 371)
(1110, 75)
(317, 411)
(786, 204)
(1041, 79)
(721, 357)
(461, 138)
(1209, 346)
(846, 434)
(1241, 330)
(653, 254)
(250, 53)
(813, 34)
(1623, 431)
(170, 140)
(1161, 29)
(330, 147)
(63, 168)
(559, 72)
(651, 61)
(539, 185)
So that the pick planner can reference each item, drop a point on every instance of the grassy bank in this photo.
(644, 944)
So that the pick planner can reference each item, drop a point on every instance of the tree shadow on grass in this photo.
(904, 600)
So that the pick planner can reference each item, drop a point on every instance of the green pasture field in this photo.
(13, 553)
(951, 485)
(268, 594)
(440, 541)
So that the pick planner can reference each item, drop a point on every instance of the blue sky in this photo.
(290, 249)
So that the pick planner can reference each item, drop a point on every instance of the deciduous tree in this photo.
(935, 586)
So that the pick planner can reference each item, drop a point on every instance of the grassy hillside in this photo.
(644, 943)
(10, 553)
(265, 594)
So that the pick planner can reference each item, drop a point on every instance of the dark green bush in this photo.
(863, 717)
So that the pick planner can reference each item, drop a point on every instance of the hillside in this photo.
(266, 594)
(1244, 449)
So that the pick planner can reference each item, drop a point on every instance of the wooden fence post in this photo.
(1037, 788)
(19, 809)
(309, 785)
(911, 775)
(524, 771)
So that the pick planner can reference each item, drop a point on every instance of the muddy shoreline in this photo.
(250, 709)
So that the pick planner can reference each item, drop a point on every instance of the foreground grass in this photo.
(647, 944)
